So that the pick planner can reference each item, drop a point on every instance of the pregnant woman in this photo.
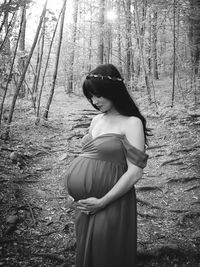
(101, 179)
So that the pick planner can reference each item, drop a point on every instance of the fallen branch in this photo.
(75, 135)
(147, 188)
(50, 256)
(183, 179)
(82, 125)
(47, 234)
(24, 181)
(147, 215)
(192, 188)
(143, 202)
(170, 161)
(32, 215)
(154, 147)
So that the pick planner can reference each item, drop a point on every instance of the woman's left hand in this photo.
(89, 205)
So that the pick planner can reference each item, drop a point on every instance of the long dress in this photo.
(109, 237)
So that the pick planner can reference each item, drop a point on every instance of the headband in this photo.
(101, 77)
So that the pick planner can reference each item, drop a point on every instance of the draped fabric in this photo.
(109, 237)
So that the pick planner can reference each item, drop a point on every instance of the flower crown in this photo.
(102, 77)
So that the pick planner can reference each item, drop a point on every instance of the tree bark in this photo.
(73, 47)
(21, 62)
(100, 58)
(46, 112)
(11, 69)
(194, 34)
(45, 70)
(154, 45)
(139, 38)
(26, 67)
(119, 38)
(128, 41)
(174, 51)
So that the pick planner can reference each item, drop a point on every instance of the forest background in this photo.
(46, 49)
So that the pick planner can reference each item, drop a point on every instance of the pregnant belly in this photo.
(91, 178)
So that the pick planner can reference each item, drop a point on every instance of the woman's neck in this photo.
(111, 113)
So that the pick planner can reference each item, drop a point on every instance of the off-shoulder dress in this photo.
(109, 237)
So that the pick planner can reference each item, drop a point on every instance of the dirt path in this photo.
(33, 195)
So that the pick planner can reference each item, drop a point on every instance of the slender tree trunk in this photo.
(129, 42)
(150, 45)
(5, 16)
(34, 85)
(154, 45)
(146, 77)
(90, 40)
(38, 64)
(174, 62)
(40, 59)
(194, 33)
(21, 62)
(6, 41)
(26, 67)
(119, 39)
(72, 54)
(12, 65)
(101, 32)
(45, 70)
(127, 9)
(46, 112)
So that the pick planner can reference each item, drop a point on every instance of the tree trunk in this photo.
(40, 60)
(101, 32)
(174, 57)
(90, 40)
(73, 47)
(26, 66)
(11, 69)
(127, 9)
(119, 38)
(46, 112)
(194, 34)
(21, 62)
(150, 46)
(45, 70)
(6, 41)
(5, 17)
(154, 45)
(139, 38)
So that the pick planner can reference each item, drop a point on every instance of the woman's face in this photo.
(103, 104)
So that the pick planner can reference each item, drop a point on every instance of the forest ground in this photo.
(36, 217)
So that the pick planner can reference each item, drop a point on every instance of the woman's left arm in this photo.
(135, 135)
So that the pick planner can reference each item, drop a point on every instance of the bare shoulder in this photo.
(134, 132)
(94, 121)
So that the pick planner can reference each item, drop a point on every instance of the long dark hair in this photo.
(106, 81)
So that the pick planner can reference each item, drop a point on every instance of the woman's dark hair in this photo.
(106, 81)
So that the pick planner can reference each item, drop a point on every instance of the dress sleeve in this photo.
(134, 155)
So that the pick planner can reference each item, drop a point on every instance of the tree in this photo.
(12, 66)
(154, 45)
(46, 112)
(73, 47)
(101, 32)
(127, 8)
(25, 68)
(140, 45)
(21, 62)
(194, 33)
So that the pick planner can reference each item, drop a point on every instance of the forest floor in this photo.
(36, 217)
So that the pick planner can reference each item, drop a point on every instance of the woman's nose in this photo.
(95, 100)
